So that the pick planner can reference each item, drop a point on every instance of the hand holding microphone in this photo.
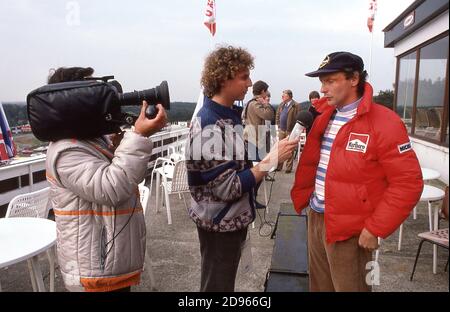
(280, 152)
(304, 121)
(283, 149)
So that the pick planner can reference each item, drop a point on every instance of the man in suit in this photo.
(285, 119)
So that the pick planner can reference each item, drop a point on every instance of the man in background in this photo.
(314, 97)
(285, 119)
(257, 114)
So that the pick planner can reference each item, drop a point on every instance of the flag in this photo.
(372, 12)
(199, 105)
(210, 16)
(7, 148)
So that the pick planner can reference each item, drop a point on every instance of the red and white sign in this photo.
(409, 20)
(210, 16)
(358, 142)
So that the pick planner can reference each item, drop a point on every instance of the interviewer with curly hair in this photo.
(222, 185)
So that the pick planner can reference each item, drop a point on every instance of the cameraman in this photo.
(100, 222)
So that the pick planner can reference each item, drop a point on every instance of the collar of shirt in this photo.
(288, 104)
(349, 107)
(223, 111)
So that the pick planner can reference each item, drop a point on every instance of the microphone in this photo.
(304, 121)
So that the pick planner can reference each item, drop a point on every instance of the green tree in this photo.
(385, 98)
(16, 113)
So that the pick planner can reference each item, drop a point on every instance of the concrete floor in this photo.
(175, 256)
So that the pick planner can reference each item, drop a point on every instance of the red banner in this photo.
(210, 16)
(372, 12)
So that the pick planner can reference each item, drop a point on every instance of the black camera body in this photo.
(87, 108)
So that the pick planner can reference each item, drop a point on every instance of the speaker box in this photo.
(289, 265)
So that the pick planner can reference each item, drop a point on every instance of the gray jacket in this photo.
(100, 223)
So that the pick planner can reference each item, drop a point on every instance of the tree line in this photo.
(16, 112)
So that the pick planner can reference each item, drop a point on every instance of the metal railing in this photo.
(36, 164)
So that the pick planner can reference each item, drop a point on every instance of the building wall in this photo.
(427, 32)
(432, 156)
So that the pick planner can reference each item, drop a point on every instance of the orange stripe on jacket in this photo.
(110, 283)
(96, 213)
(50, 178)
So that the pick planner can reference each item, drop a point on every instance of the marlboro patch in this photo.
(358, 142)
(404, 147)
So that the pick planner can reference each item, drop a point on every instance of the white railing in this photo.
(17, 168)
(23, 166)
(177, 132)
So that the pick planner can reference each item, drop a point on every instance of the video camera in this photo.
(87, 108)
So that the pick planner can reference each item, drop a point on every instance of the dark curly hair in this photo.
(222, 64)
(64, 74)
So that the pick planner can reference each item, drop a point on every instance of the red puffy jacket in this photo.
(373, 179)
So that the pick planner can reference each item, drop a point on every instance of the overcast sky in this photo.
(143, 42)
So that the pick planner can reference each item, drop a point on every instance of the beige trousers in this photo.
(340, 266)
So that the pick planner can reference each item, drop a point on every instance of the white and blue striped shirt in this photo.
(339, 118)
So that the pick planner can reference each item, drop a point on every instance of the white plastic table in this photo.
(427, 175)
(25, 238)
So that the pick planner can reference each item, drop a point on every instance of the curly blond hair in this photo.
(222, 64)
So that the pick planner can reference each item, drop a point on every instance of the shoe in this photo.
(259, 206)
(270, 179)
(288, 171)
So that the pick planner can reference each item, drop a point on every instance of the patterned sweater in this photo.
(219, 176)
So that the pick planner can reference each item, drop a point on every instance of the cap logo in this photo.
(325, 62)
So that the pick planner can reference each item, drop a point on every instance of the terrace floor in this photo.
(175, 255)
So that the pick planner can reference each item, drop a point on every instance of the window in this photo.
(405, 90)
(421, 99)
(431, 90)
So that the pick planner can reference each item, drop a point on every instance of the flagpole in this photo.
(370, 24)
(370, 55)
(201, 96)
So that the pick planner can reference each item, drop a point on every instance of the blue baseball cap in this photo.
(339, 62)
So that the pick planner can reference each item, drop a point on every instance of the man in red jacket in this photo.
(357, 173)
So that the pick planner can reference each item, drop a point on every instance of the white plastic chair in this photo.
(177, 147)
(430, 194)
(33, 205)
(177, 185)
(144, 193)
(428, 175)
(158, 164)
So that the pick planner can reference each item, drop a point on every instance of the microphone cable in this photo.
(264, 223)
(112, 240)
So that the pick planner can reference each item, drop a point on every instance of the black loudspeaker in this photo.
(289, 265)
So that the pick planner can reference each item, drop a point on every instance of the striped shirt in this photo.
(339, 118)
